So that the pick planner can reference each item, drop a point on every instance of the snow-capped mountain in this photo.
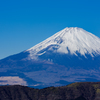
(70, 55)
(69, 39)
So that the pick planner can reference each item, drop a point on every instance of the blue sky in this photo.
(24, 23)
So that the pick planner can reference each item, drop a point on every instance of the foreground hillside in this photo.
(75, 91)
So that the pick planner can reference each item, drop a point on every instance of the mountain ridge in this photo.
(74, 91)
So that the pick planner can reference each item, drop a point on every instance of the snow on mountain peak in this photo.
(71, 39)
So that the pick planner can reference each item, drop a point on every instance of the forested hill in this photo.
(74, 91)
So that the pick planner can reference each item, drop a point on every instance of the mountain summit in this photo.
(73, 40)
(70, 55)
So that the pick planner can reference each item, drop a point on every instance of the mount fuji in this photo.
(70, 55)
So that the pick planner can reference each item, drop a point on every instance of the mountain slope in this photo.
(71, 55)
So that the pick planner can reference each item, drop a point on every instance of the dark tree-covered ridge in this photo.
(74, 91)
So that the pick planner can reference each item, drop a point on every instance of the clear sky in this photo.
(24, 23)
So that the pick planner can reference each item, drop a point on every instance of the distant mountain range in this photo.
(71, 55)
(74, 91)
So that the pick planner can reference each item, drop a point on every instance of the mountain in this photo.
(71, 55)
(69, 40)
(75, 91)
